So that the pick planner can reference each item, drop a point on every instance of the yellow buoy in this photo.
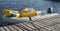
(17, 14)
(11, 13)
(6, 12)
(29, 14)
(25, 10)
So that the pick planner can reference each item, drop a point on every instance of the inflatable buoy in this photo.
(11, 13)
(25, 10)
(29, 14)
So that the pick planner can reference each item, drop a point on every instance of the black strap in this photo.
(30, 18)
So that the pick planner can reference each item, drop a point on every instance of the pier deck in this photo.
(48, 24)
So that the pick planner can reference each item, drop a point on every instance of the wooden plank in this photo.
(46, 27)
(17, 28)
(56, 27)
(2, 29)
(37, 27)
(11, 28)
(21, 27)
(40, 26)
(25, 26)
(29, 25)
(6, 28)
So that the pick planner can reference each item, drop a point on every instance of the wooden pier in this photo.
(48, 24)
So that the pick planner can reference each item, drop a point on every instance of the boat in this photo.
(19, 20)
(40, 15)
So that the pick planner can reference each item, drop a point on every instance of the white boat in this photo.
(18, 20)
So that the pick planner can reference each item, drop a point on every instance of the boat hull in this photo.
(19, 20)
